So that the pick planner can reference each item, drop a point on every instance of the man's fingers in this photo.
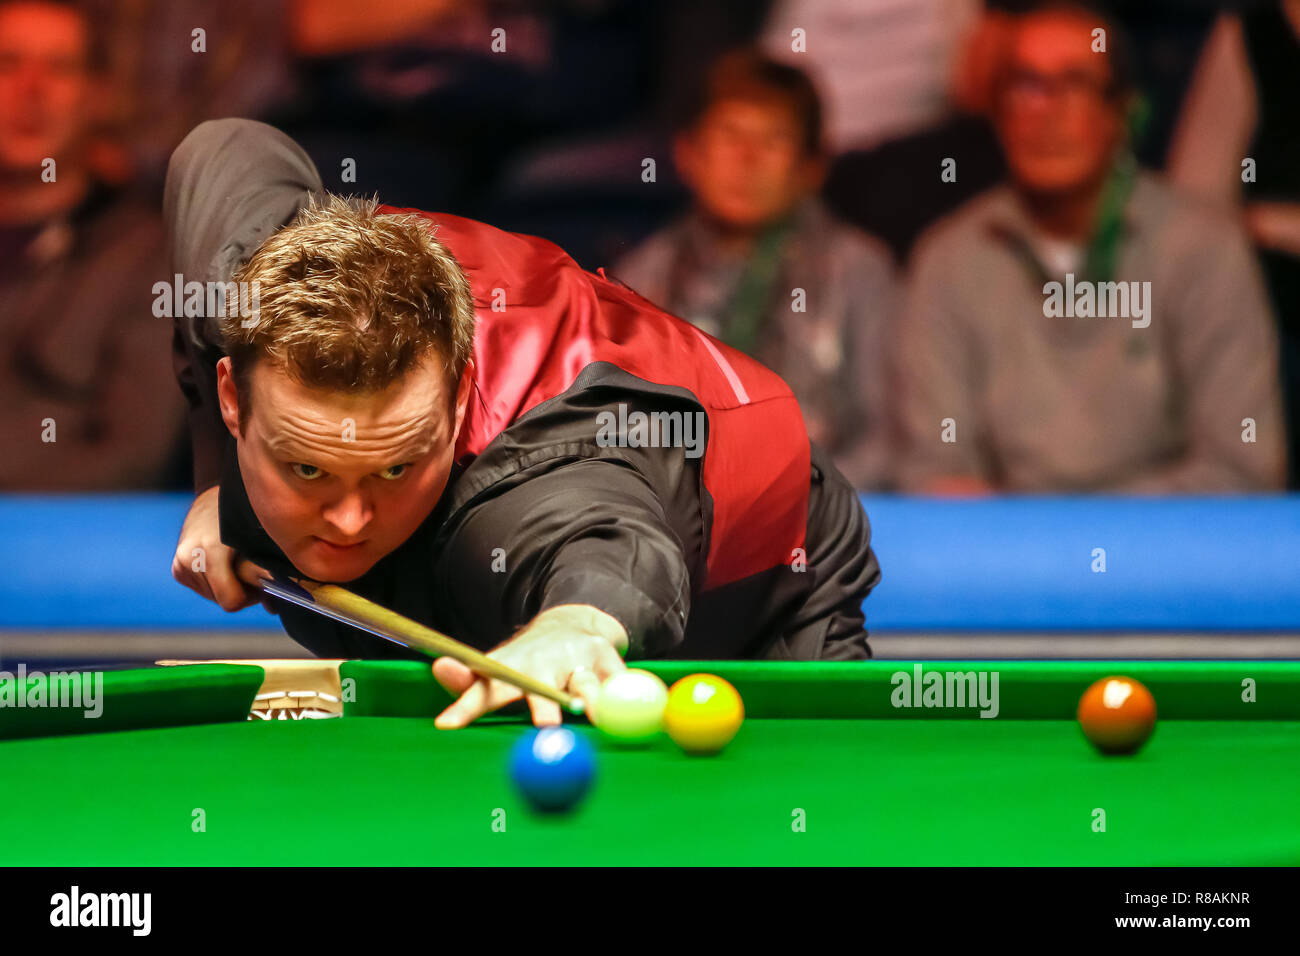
(576, 667)
(195, 582)
(218, 583)
(608, 660)
(228, 590)
(546, 712)
(584, 683)
(454, 676)
(474, 695)
(483, 696)
(464, 708)
(248, 573)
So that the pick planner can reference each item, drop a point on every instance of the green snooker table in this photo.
(829, 768)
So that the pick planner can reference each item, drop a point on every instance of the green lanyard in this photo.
(1103, 249)
(1108, 232)
(748, 308)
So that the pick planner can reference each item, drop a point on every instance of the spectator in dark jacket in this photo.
(87, 401)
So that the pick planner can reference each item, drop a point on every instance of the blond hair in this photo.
(351, 300)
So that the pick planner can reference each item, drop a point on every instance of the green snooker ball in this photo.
(630, 706)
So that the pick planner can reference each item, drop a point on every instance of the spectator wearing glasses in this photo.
(1010, 378)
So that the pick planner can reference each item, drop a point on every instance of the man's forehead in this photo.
(755, 109)
(71, 30)
(1057, 40)
(407, 411)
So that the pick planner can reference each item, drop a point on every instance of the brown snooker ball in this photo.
(1117, 715)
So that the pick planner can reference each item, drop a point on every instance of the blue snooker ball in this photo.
(553, 768)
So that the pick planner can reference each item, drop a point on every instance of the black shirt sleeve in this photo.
(587, 531)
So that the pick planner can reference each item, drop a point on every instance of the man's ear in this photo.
(228, 396)
(463, 391)
(685, 155)
(812, 173)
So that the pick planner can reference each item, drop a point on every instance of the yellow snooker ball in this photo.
(703, 713)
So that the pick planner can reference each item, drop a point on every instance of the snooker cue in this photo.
(330, 600)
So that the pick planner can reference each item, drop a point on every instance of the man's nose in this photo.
(748, 149)
(349, 514)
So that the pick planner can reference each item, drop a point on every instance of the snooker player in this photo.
(462, 425)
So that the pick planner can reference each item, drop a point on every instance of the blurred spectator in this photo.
(895, 190)
(759, 262)
(171, 64)
(1003, 385)
(882, 65)
(1243, 105)
(864, 182)
(87, 400)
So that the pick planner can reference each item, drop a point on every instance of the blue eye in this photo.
(306, 472)
(393, 473)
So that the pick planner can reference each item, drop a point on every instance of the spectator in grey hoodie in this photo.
(759, 262)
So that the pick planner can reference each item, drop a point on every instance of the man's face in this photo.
(340, 480)
(1058, 124)
(745, 162)
(45, 83)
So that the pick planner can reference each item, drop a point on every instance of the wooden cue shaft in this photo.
(417, 635)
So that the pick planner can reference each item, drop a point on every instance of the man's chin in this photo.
(333, 568)
(741, 216)
(1054, 178)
